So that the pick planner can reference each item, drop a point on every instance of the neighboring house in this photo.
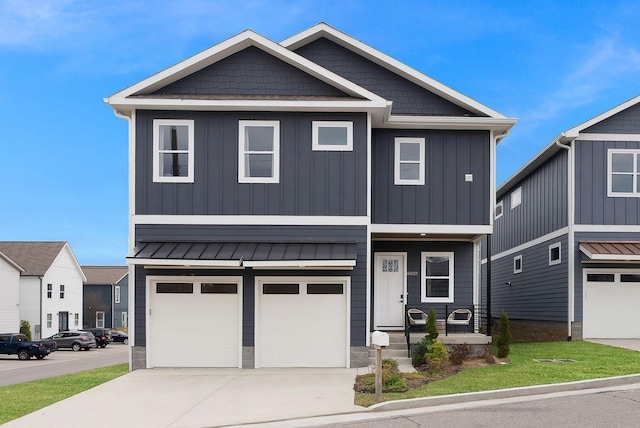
(105, 299)
(50, 285)
(289, 198)
(566, 245)
(9, 294)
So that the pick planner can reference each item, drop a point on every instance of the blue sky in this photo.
(63, 165)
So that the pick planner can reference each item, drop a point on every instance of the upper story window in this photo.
(116, 294)
(61, 291)
(259, 152)
(516, 197)
(624, 173)
(173, 150)
(517, 264)
(437, 277)
(332, 136)
(49, 291)
(555, 254)
(409, 161)
(499, 209)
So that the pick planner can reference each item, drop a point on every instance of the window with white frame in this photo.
(624, 173)
(259, 151)
(517, 264)
(409, 161)
(173, 142)
(116, 294)
(332, 136)
(76, 319)
(437, 277)
(555, 253)
(49, 320)
(61, 291)
(499, 209)
(49, 291)
(516, 197)
(125, 319)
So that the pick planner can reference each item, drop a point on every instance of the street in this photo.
(612, 407)
(63, 361)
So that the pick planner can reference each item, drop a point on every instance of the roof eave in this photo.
(499, 125)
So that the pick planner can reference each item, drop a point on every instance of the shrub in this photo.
(458, 353)
(25, 328)
(419, 352)
(504, 336)
(432, 326)
(392, 380)
(437, 353)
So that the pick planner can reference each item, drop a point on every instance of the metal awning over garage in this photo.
(616, 251)
(244, 254)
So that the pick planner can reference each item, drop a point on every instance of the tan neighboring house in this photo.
(49, 285)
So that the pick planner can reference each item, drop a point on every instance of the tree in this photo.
(25, 328)
(504, 336)
(432, 326)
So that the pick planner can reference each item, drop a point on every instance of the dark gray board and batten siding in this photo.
(271, 234)
(312, 183)
(445, 198)
(543, 208)
(407, 97)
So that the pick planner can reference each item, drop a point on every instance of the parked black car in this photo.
(75, 340)
(103, 336)
(120, 336)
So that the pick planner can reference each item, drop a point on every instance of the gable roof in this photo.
(564, 138)
(104, 274)
(6, 258)
(35, 258)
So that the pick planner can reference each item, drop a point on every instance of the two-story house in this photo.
(565, 252)
(49, 285)
(287, 199)
(105, 297)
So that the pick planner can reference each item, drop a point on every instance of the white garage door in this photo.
(194, 324)
(302, 322)
(611, 302)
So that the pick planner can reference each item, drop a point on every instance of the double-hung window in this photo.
(624, 173)
(173, 142)
(49, 290)
(332, 136)
(116, 294)
(62, 291)
(259, 151)
(409, 161)
(437, 277)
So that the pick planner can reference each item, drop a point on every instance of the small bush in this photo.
(25, 328)
(392, 380)
(437, 353)
(504, 336)
(419, 352)
(390, 365)
(458, 353)
(432, 326)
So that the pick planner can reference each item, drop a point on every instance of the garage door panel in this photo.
(610, 308)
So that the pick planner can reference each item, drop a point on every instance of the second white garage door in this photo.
(611, 301)
(194, 322)
(302, 322)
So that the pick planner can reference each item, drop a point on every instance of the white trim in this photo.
(368, 273)
(404, 285)
(516, 197)
(299, 263)
(259, 280)
(585, 136)
(315, 137)
(251, 220)
(11, 262)
(501, 205)
(275, 152)
(553, 246)
(183, 262)
(423, 277)
(622, 228)
(609, 257)
(635, 174)
(157, 161)
(532, 243)
(398, 181)
(574, 132)
(447, 122)
(442, 229)
(516, 259)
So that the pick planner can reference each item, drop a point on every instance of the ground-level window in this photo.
(173, 157)
(332, 136)
(49, 320)
(125, 319)
(259, 151)
(555, 253)
(517, 264)
(437, 277)
(624, 172)
(409, 161)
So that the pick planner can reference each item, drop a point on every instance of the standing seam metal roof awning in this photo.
(619, 251)
(247, 254)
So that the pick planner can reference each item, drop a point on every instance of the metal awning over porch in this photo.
(612, 251)
(244, 254)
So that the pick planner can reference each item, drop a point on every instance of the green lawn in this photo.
(593, 361)
(21, 399)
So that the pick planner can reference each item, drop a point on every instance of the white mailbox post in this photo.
(380, 339)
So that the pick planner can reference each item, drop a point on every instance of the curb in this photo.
(413, 403)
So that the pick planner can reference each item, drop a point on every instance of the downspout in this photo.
(570, 237)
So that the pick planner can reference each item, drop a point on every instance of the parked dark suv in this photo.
(103, 336)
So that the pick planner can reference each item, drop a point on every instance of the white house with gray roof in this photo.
(49, 285)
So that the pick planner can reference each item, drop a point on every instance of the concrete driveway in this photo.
(205, 398)
(633, 344)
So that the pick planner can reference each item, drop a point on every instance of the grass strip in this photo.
(24, 398)
(593, 361)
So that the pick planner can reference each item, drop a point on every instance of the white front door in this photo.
(389, 291)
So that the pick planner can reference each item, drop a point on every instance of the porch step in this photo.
(397, 350)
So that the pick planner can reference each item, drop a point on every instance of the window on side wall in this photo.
(61, 291)
(517, 264)
(516, 197)
(623, 178)
(173, 142)
(259, 151)
(49, 320)
(116, 294)
(437, 277)
(76, 319)
(49, 291)
(332, 136)
(555, 253)
(409, 161)
(499, 209)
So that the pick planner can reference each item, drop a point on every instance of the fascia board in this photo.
(450, 122)
(420, 79)
(573, 132)
(228, 47)
(182, 262)
(188, 104)
(75, 261)
(300, 263)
